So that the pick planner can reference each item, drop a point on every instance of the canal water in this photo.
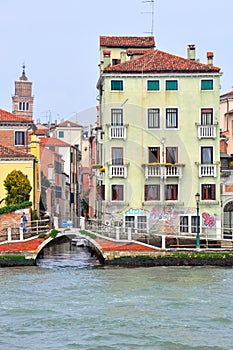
(68, 302)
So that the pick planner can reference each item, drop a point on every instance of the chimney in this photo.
(191, 52)
(123, 56)
(210, 56)
(106, 54)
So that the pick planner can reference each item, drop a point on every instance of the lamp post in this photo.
(197, 197)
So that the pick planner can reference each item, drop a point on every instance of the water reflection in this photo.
(64, 254)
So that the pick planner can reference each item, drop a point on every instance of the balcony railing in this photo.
(163, 170)
(117, 132)
(207, 170)
(118, 171)
(206, 131)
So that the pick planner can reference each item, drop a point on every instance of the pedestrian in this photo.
(23, 222)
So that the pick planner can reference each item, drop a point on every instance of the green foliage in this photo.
(11, 208)
(18, 188)
(42, 235)
(89, 234)
(53, 233)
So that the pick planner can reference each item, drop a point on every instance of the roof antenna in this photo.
(151, 12)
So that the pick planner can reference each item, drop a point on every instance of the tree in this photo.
(18, 188)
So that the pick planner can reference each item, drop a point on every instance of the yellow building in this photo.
(158, 138)
(28, 164)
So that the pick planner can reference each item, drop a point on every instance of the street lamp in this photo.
(197, 197)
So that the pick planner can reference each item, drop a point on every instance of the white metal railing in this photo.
(208, 236)
(207, 170)
(163, 171)
(12, 232)
(117, 132)
(118, 171)
(206, 131)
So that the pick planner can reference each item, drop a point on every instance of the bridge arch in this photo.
(93, 246)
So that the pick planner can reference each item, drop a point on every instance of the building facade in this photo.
(158, 138)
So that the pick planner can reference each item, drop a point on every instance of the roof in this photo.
(53, 141)
(156, 61)
(7, 152)
(227, 94)
(11, 117)
(127, 41)
(68, 123)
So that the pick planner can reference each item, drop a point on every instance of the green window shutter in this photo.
(207, 84)
(116, 84)
(171, 85)
(153, 85)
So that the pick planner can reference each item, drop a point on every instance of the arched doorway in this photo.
(228, 220)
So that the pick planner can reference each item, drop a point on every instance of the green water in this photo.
(69, 302)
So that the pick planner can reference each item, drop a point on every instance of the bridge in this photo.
(109, 244)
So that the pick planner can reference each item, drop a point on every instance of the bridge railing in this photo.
(129, 233)
(13, 232)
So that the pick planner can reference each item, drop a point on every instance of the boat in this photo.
(79, 241)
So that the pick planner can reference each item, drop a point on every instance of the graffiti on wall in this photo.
(208, 220)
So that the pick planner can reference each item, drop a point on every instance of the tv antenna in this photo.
(151, 12)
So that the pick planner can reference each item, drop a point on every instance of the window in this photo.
(206, 155)
(115, 61)
(19, 138)
(184, 224)
(58, 191)
(101, 192)
(61, 134)
(129, 221)
(116, 85)
(154, 154)
(23, 106)
(193, 224)
(117, 155)
(207, 116)
(207, 84)
(153, 118)
(208, 192)
(152, 192)
(152, 85)
(141, 223)
(171, 155)
(117, 193)
(116, 116)
(171, 192)
(171, 85)
(171, 118)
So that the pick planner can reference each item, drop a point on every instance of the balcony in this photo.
(206, 131)
(118, 171)
(117, 132)
(163, 170)
(207, 170)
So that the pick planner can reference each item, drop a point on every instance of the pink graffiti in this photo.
(208, 219)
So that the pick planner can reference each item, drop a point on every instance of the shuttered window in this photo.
(152, 85)
(171, 85)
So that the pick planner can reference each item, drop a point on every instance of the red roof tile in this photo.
(53, 141)
(11, 117)
(68, 123)
(127, 41)
(157, 61)
(7, 152)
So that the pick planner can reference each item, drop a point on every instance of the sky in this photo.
(58, 41)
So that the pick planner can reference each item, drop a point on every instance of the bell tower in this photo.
(22, 101)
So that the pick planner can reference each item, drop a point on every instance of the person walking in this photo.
(23, 222)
